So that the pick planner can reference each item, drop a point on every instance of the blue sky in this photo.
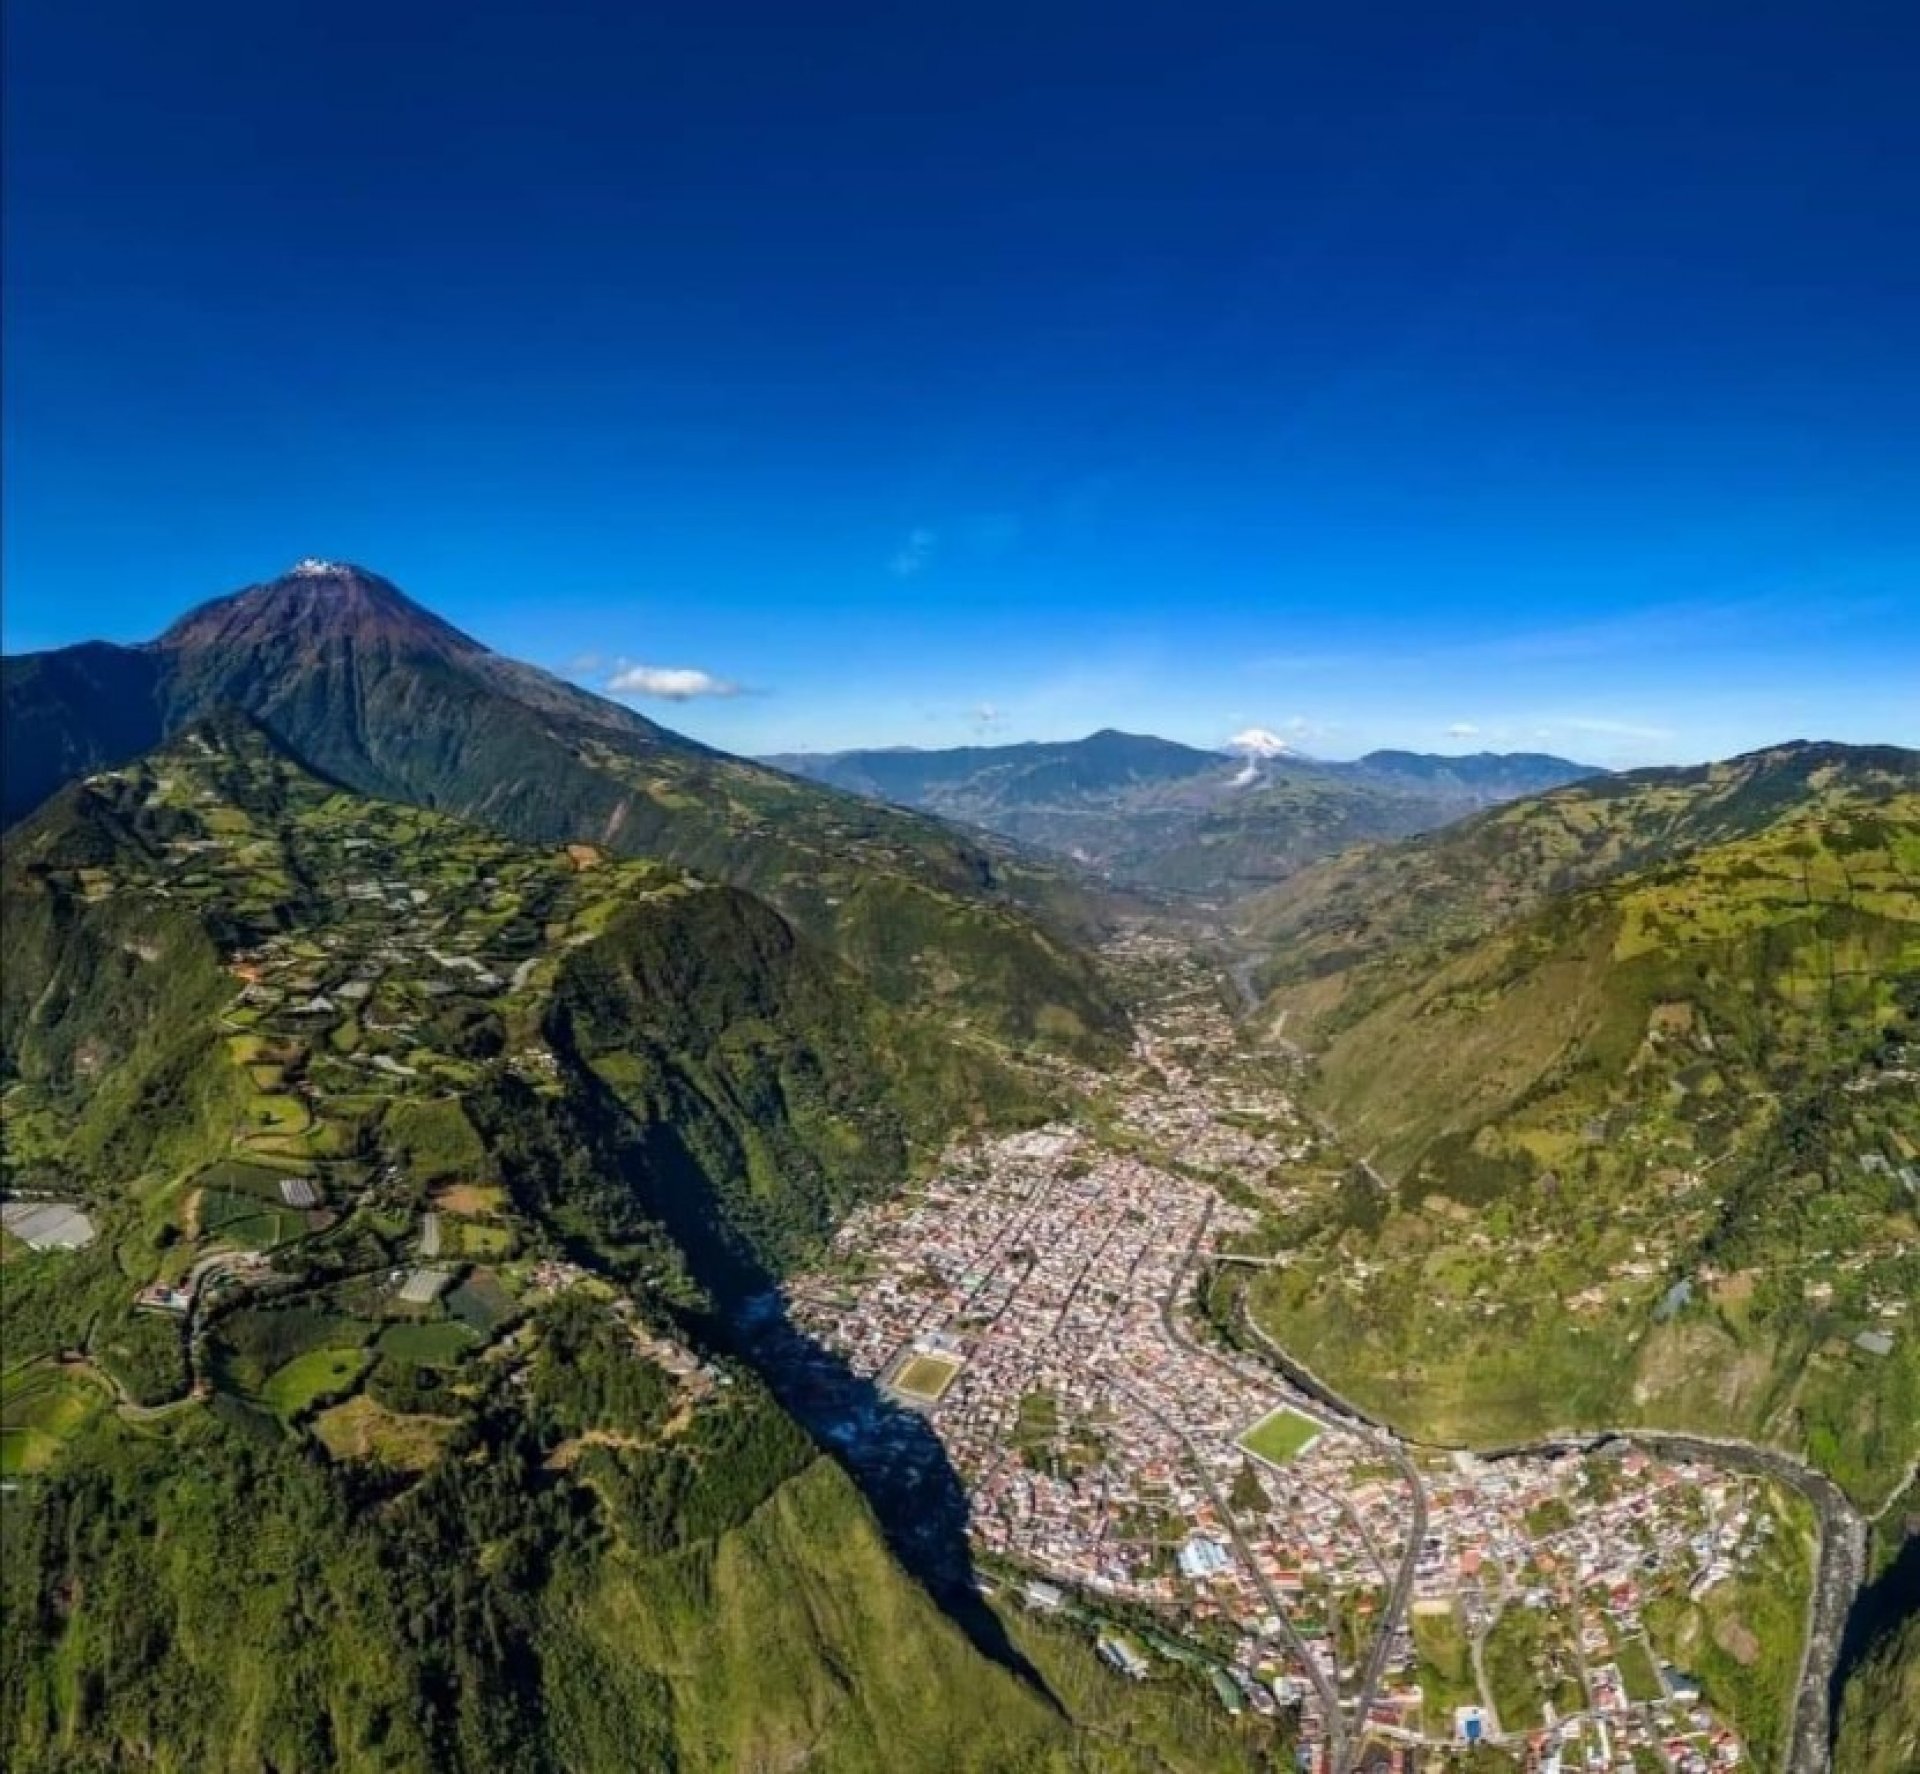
(1435, 376)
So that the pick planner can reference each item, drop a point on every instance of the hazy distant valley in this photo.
(1214, 825)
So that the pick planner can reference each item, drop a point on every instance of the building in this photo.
(1201, 1558)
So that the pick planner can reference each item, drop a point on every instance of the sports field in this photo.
(1277, 1438)
(926, 1376)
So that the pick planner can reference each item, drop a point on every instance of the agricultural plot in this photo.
(360, 1429)
(247, 1220)
(254, 1348)
(241, 1178)
(481, 1303)
(305, 1380)
(1280, 1437)
(432, 1345)
(41, 1407)
(471, 1200)
(484, 1242)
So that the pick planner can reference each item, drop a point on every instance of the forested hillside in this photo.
(381, 1423)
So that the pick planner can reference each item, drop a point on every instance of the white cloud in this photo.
(1463, 730)
(913, 555)
(672, 683)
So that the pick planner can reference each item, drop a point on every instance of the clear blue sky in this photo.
(927, 372)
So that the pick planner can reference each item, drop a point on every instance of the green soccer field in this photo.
(927, 1376)
(1280, 1436)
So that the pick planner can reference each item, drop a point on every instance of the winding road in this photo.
(1840, 1566)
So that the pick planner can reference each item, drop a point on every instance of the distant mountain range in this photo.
(1152, 813)
(365, 687)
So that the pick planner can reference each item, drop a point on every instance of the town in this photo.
(1034, 1302)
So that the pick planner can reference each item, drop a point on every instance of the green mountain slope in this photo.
(200, 1598)
(1395, 902)
(370, 943)
(1879, 1721)
(1159, 815)
(454, 1146)
(1651, 1148)
(376, 693)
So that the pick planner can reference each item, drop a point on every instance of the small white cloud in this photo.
(1463, 730)
(672, 683)
(584, 665)
(913, 555)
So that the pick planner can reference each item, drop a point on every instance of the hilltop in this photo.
(1151, 813)
(372, 691)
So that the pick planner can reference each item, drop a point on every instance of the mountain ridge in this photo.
(1629, 1062)
(374, 691)
(1156, 814)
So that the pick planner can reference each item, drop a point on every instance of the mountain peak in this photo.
(1257, 742)
(316, 604)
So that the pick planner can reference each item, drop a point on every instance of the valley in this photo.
(1195, 1508)
(1450, 1309)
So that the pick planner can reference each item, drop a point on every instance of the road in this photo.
(1324, 1684)
(1333, 1411)
(1840, 1566)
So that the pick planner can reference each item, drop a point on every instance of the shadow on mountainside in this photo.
(890, 1452)
(1877, 1611)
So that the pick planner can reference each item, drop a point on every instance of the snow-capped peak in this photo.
(313, 567)
(1257, 742)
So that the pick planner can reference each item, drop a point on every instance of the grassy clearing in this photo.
(1512, 1657)
(278, 1114)
(1443, 1667)
(1637, 1672)
(363, 1430)
(1280, 1437)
